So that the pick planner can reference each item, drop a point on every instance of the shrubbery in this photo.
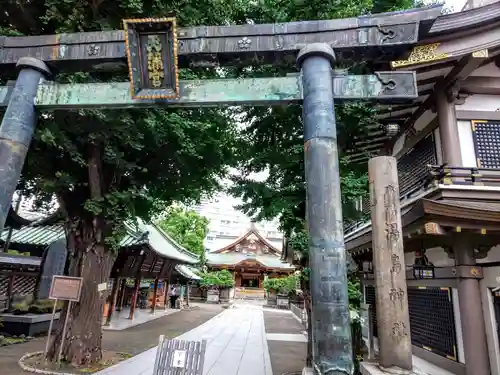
(217, 279)
(281, 285)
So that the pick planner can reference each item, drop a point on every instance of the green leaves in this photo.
(281, 285)
(186, 227)
(217, 279)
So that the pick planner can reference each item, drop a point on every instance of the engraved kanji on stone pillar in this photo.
(393, 321)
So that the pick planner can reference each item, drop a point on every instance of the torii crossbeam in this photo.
(153, 50)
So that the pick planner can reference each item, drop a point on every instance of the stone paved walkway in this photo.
(236, 345)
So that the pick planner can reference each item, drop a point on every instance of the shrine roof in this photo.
(10, 259)
(187, 272)
(445, 57)
(251, 231)
(232, 259)
(143, 234)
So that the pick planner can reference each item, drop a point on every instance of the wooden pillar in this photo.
(134, 297)
(471, 313)
(121, 295)
(167, 297)
(448, 129)
(187, 293)
(10, 291)
(393, 320)
(112, 300)
(155, 294)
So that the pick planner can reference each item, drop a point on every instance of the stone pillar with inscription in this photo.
(393, 321)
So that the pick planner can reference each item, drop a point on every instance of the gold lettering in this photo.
(155, 61)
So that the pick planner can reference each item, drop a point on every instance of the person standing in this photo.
(174, 294)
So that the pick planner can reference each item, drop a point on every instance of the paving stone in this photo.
(236, 345)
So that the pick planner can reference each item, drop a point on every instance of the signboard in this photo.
(151, 47)
(179, 359)
(102, 287)
(66, 288)
(365, 318)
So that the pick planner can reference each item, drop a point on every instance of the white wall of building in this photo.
(227, 223)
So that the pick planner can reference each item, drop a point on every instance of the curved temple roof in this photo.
(187, 272)
(144, 234)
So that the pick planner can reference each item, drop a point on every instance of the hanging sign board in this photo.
(66, 288)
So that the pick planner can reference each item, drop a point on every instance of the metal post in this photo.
(63, 336)
(51, 324)
(17, 129)
(393, 319)
(331, 332)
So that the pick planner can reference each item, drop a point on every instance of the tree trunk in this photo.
(91, 260)
(82, 344)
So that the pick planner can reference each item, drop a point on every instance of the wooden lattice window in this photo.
(432, 320)
(413, 166)
(486, 137)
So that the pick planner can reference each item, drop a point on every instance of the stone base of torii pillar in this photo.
(373, 368)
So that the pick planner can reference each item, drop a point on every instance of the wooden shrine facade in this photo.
(146, 254)
(446, 143)
(251, 259)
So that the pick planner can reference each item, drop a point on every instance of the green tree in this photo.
(273, 141)
(217, 279)
(106, 167)
(186, 227)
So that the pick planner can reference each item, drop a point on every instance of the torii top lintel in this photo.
(387, 35)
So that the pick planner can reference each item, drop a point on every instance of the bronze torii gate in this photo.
(154, 49)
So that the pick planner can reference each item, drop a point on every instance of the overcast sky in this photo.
(455, 5)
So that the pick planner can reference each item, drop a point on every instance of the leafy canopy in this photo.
(273, 139)
(217, 279)
(144, 159)
(186, 227)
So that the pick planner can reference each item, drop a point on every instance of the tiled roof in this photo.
(187, 272)
(20, 259)
(143, 234)
(268, 261)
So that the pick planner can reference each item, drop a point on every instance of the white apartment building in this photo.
(227, 223)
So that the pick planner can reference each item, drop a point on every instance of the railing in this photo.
(300, 313)
(449, 175)
(442, 175)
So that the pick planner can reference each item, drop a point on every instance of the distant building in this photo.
(471, 4)
(228, 224)
(251, 259)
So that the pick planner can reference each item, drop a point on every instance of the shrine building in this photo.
(251, 259)
(447, 146)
